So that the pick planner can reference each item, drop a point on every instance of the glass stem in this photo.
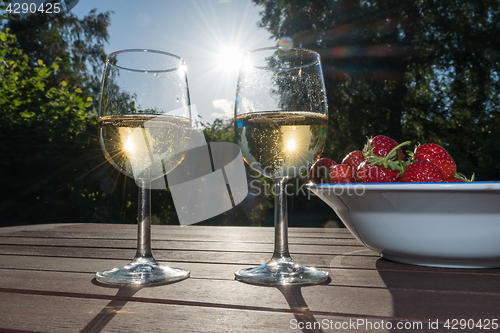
(144, 222)
(280, 221)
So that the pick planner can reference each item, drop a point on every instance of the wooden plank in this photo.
(416, 281)
(69, 265)
(358, 259)
(409, 277)
(171, 243)
(319, 299)
(197, 232)
(176, 228)
(27, 228)
(250, 258)
(47, 314)
(26, 239)
(222, 271)
(250, 238)
(227, 245)
(182, 245)
(79, 264)
(344, 260)
(122, 315)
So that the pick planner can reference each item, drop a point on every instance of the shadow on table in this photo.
(426, 297)
(111, 309)
(123, 295)
(299, 307)
(301, 311)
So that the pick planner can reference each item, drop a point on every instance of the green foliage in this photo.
(41, 129)
(79, 44)
(53, 167)
(219, 131)
(425, 71)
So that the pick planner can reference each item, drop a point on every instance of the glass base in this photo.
(282, 271)
(142, 270)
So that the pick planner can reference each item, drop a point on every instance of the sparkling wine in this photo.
(144, 146)
(281, 144)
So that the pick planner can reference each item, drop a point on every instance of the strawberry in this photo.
(381, 145)
(422, 172)
(380, 169)
(341, 173)
(373, 173)
(320, 170)
(438, 156)
(354, 159)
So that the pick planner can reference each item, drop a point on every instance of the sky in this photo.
(210, 35)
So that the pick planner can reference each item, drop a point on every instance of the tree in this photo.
(48, 145)
(39, 126)
(79, 44)
(454, 82)
(414, 70)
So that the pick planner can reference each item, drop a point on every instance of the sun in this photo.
(129, 146)
(290, 145)
(229, 58)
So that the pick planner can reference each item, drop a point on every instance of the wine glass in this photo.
(281, 125)
(144, 124)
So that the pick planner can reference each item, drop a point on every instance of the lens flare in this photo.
(290, 145)
(285, 43)
(129, 146)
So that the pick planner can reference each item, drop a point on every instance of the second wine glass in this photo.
(281, 125)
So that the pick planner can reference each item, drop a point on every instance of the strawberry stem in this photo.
(461, 176)
(388, 161)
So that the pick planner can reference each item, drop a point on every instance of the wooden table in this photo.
(47, 284)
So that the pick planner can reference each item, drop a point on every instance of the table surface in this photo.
(47, 284)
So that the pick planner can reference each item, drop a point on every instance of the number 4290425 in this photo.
(462, 324)
(25, 8)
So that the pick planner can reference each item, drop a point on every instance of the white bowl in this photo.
(431, 224)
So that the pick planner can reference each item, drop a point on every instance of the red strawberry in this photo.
(341, 173)
(438, 156)
(381, 145)
(378, 169)
(320, 170)
(354, 159)
(368, 173)
(421, 172)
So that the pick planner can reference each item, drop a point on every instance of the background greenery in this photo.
(419, 70)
